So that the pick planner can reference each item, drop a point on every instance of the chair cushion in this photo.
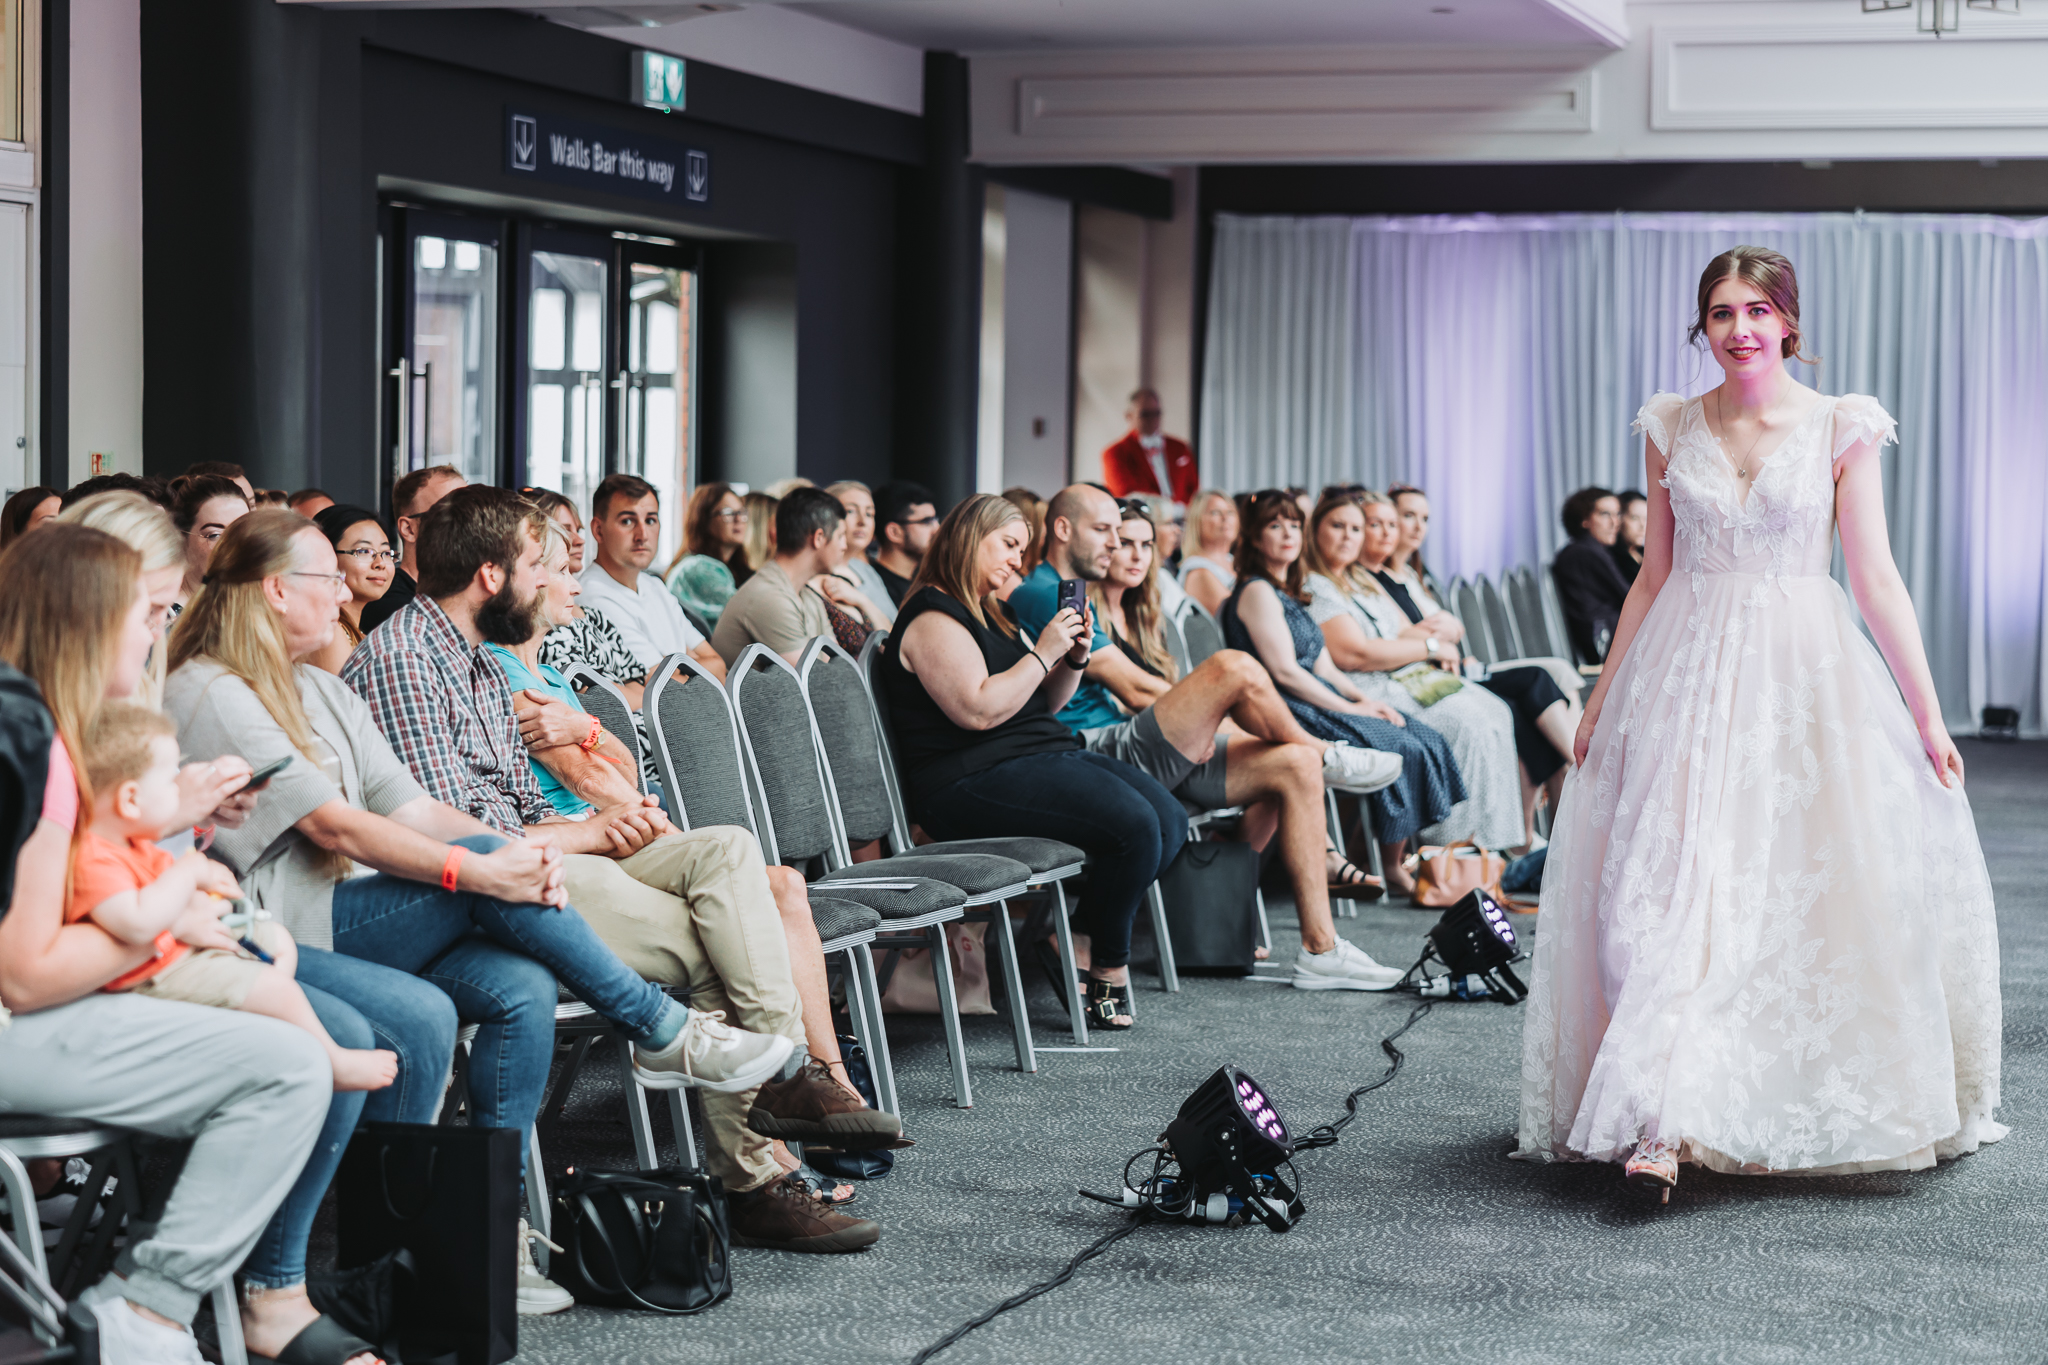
(1040, 855)
(978, 874)
(922, 898)
(838, 918)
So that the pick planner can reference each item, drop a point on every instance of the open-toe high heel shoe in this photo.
(1653, 1169)
(1107, 1001)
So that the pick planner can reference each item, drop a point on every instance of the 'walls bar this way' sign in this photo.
(571, 151)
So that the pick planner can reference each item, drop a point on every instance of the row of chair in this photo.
(1517, 617)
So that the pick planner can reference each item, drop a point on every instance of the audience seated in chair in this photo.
(368, 563)
(788, 601)
(411, 499)
(1206, 560)
(1267, 617)
(1631, 531)
(207, 504)
(77, 620)
(984, 755)
(131, 518)
(858, 570)
(1176, 731)
(693, 909)
(625, 522)
(906, 519)
(712, 563)
(1590, 585)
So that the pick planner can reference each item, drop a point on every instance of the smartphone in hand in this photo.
(1073, 596)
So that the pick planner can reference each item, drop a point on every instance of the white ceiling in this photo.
(1009, 25)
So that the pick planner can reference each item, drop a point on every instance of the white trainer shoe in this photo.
(1348, 768)
(538, 1295)
(1344, 968)
(127, 1336)
(711, 1054)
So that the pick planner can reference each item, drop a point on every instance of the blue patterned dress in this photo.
(1429, 784)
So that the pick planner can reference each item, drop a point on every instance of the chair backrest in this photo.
(782, 757)
(702, 626)
(1201, 632)
(849, 740)
(1176, 641)
(602, 698)
(1530, 626)
(696, 742)
(1465, 602)
(870, 662)
(1500, 625)
(1553, 611)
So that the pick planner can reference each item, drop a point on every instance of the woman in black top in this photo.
(1590, 586)
(1635, 528)
(984, 754)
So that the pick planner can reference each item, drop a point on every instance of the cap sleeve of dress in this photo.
(1860, 418)
(1658, 418)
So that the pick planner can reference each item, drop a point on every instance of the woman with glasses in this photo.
(712, 562)
(1267, 616)
(367, 561)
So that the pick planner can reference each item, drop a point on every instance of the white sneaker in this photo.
(713, 1055)
(128, 1337)
(1348, 768)
(538, 1295)
(1344, 968)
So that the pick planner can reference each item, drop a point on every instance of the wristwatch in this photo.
(1429, 646)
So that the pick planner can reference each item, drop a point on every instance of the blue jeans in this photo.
(409, 960)
(1130, 826)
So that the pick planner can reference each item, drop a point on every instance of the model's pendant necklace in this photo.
(1763, 424)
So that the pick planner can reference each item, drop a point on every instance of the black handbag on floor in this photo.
(658, 1240)
(450, 1196)
(1211, 907)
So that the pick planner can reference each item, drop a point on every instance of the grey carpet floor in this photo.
(1422, 1242)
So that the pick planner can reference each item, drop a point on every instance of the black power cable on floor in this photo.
(1322, 1135)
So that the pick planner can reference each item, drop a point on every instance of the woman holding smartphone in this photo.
(984, 754)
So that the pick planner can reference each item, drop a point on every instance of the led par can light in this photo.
(1230, 1139)
(1474, 938)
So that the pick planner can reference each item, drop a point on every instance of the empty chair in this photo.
(696, 742)
(1500, 626)
(1464, 602)
(1527, 604)
(799, 826)
(1201, 632)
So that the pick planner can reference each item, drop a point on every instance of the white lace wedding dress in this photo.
(1766, 930)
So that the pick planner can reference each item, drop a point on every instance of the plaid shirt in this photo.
(446, 708)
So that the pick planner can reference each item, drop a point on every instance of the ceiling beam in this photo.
(1603, 20)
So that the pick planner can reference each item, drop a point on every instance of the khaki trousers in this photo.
(694, 910)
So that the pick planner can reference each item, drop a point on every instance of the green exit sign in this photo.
(658, 81)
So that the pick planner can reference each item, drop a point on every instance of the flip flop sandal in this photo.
(323, 1342)
(823, 1189)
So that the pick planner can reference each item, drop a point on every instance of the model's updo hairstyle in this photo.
(1771, 273)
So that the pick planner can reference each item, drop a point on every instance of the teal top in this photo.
(704, 585)
(1031, 606)
(554, 685)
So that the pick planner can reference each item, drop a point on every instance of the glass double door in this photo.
(526, 354)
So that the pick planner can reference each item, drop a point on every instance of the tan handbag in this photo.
(911, 989)
(1444, 875)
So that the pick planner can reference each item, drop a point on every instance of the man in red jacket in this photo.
(1145, 461)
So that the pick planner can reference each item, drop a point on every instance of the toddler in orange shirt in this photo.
(131, 889)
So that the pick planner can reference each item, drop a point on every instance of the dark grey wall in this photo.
(268, 130)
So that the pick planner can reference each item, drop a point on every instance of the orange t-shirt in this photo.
(103, 868)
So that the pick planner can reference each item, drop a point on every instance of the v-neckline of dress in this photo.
(1728, 466)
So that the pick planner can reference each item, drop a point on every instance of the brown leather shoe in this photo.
(812, 1107)
(784, 1216)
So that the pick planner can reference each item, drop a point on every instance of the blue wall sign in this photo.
(570, 151)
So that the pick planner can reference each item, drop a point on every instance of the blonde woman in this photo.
(859, 501)
(983, 751)
(1207, 569)
(760, 544)
(143, 526)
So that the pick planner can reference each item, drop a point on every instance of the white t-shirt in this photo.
(649, 619)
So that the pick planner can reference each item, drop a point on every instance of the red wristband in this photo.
(596, 733)
(449, 868)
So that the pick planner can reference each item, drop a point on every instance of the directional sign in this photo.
(570, 151)
(658, 81)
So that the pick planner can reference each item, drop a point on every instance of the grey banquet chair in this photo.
(800, 827)
(602, 698)
(1500, 626)
(1530, 624)
(1201, 631)
(1464, 602)
(696, 742)
(1052, 861)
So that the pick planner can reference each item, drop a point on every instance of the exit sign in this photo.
(658, 81)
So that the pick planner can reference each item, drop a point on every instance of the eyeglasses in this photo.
(730, 514)
(335, 580)
(365, 554)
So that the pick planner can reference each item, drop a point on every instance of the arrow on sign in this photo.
(524, 140)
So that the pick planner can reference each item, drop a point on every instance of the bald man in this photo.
(1173, 732)
(1146, 460)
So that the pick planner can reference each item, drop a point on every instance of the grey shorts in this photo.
(215, 976)
(1140, 743)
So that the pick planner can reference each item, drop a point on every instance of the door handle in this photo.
(402, 451)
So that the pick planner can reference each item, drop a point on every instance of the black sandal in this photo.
(1106, 1001)
(323, 1341)
(1356, 884)
(822, 1188)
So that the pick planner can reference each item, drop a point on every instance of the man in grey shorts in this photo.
(1270, 764)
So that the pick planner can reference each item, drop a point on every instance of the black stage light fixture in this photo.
(1474, 938)
(1229, 1139)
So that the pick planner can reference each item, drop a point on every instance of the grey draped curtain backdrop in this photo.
(1498, 361)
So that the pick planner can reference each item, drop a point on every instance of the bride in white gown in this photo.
(1766, 942)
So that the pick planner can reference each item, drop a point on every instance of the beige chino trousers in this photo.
(694, 910)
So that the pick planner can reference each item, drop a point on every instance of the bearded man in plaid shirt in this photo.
(691, 909)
